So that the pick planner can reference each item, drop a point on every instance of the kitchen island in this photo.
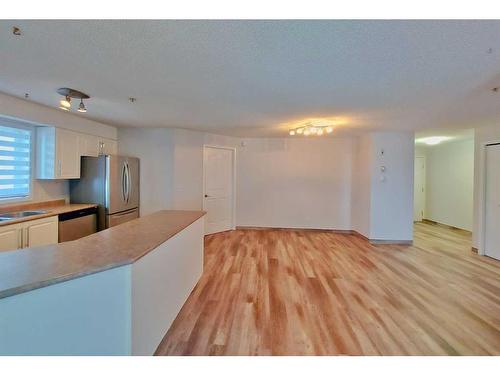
(115, 292)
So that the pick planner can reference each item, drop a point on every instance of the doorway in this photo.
(419, 189)
(219, 188)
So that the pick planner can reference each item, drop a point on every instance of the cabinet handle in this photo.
(20, 241)
(24, 237)
(59, 168)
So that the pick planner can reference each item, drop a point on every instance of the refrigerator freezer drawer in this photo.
(121, 217)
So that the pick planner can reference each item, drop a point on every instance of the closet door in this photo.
(492, 206)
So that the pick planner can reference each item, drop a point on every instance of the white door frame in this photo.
(425, 184)
(233, 203)
(481, 238)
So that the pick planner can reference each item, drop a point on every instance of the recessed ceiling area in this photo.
(259, 78)
(438, 136)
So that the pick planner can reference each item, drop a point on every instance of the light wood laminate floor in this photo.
(292, 292)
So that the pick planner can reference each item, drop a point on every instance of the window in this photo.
(15, 162)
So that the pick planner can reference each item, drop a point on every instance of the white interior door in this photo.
(419, 189)
(492, 202)
(218, 189)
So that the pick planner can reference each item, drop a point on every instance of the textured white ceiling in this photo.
(254, 78)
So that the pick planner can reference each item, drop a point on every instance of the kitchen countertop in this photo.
(53, 208)
(27, 269)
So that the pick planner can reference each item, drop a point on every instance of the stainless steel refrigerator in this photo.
(112, 182)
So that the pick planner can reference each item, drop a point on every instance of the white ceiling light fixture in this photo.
(312, 129)
(65, 104)
(432, 141)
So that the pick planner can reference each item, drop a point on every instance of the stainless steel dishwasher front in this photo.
(77, 224)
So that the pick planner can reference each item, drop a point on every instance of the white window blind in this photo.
(15, 160)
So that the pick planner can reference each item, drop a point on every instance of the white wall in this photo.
(46, 190)
(280, 182)
(382, 207)
(295, 183)
(154, 147)
(450, 183)
(284, 182)
(171, 165)
(391, 208)
(307, 183)
(188, 166)
(420, 151)
(42, 115)
(482, 136)
(361, 186)
(25, 110)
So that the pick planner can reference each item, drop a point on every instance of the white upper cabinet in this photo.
(108, 146)
(91, 145)
(58, 151)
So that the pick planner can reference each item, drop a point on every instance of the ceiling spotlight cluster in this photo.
(65, 104)
(311, 130)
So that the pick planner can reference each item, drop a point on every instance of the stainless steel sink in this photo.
(20, 214)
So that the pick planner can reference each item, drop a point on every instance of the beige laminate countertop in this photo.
(37, 267)
(51, 211)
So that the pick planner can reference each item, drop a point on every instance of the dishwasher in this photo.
(77, 224)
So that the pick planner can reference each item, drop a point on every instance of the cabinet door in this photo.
(41, 232)
(10, 237)
(89, 145)
(107, 146)
(68, 154)
(112, 147)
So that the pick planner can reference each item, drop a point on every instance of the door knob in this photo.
(206, 196)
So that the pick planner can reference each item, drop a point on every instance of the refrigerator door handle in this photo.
(129, 182)
(124, 182)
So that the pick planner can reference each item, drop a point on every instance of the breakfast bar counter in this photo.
(113, 292)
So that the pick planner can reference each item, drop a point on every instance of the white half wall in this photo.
(119, 311)
(90, 315)
(450, 183)
(161, 283)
